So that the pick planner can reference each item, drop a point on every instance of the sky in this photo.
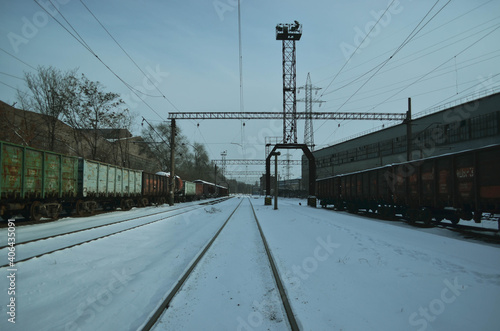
(364, 56)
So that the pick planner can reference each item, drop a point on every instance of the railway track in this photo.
(30, 248)
(84, 225)
(156, 317)
(468, 231)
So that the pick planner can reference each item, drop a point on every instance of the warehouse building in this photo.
(469, 125)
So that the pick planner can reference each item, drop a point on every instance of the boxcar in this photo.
(199, 190)
(107, 184)
(222, 191)
(208, 188)
(155, 189)
(189, 191)
(454, 186)
(33, 181)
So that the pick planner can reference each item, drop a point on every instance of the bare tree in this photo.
(92, 113)
(158, 140)
(121, 150)
(51, 92)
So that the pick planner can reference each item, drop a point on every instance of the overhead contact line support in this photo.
(279, 116)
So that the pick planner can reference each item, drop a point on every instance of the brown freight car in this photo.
(155, 189)
(454, 186)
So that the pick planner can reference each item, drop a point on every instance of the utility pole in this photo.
(408, 131)
(172, 162)
(276, 178)
(215, 179)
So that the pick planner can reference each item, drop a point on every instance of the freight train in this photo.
(37, 183)
(454, 186)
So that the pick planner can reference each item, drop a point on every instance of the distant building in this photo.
(291, 188)
(263, 184)
(466, 126)
(116, 146)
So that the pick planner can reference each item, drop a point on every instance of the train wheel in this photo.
(454, 219)
(412, 216)
(55, 212)
(126, 204)
(80, 208)
(426, 216)
(35, 214)
(478, 216)
(92, 207)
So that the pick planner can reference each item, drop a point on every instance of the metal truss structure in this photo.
(288, 34)
(245, 173)
(308, 129)
(279, 116)
(257, 162)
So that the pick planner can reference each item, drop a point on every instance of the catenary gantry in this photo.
(279, 116)
(258, 162)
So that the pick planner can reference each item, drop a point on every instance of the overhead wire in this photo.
(460, 66)
(408, 39)
(18, 59)
(12, 87)
(86, 46)
(361, 43)
(439, 66)
(162, 95)
(350, 82)
(6, 74)
(420, 36)
(138, 67)
(403, 44)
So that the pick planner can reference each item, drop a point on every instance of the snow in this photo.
(234, 280)
(341, 272)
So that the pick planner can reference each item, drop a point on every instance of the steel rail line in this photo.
(284, 298)
(279, 284)
(166, 302)
(98, 237)
(102, 225)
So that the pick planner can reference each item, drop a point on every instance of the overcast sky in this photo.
(189, 50)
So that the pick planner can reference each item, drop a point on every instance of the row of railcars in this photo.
(454, 186)
(206, 189)
(36, 184)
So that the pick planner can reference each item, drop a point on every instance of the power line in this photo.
(361, 43)
(382, 64)
(404, 43)
(436, 68)
(12, 87)
(84, 44)
(422, 35)
(6, 74)
(128, 55)
(145, 75)
(384, 89)
(15, 57)
(412, 34)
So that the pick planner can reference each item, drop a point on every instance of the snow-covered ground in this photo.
(346, 272)
(341, 271)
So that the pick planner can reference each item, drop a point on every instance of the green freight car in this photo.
(189, 191)
(33, 182)
(107, 185)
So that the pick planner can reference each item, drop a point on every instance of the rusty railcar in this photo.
(35, 183)
(454, 186)
(155, 189)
